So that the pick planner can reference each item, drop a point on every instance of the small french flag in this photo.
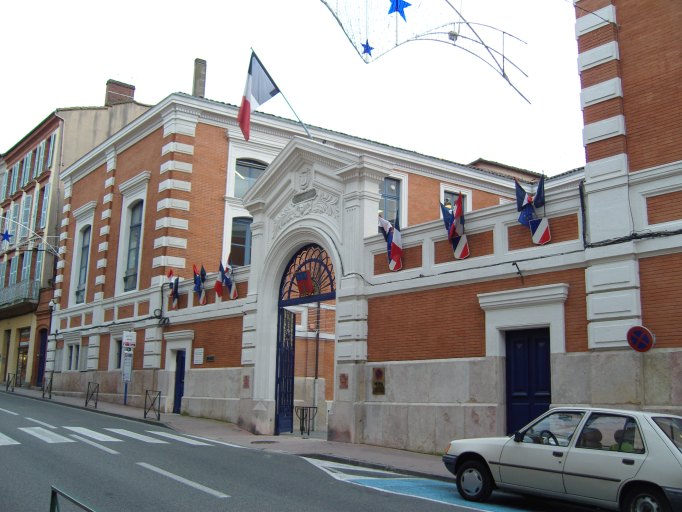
(540, 231)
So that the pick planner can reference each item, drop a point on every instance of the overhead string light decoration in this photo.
(377, 27)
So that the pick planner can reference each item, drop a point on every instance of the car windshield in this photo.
(671, 427)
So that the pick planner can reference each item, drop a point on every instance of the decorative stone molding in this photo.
(603, 91)
(324, 203)
(87, 210)
(171, 222)
(599, 55)
(135, 184)
(172, 204)
(594, 20)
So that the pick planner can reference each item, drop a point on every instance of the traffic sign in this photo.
(129, 338)
(640, 338)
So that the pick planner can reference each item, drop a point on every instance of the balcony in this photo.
(19, 299)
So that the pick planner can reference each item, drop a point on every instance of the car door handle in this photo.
(628, 462)
(558, 454)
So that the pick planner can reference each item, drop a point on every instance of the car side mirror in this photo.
(518, 437)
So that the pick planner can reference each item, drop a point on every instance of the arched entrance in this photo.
(308, 289)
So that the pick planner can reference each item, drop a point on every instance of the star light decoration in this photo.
(6, 236)
(366, 48)
(399, 6)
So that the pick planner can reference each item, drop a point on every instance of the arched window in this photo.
(134, 242)
(240, 251)
(83, 257)
(246, 174)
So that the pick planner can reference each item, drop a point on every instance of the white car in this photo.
(603, 457)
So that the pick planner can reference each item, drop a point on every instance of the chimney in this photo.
(199, 86)
(118, 92)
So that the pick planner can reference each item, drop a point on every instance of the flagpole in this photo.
(283, 96)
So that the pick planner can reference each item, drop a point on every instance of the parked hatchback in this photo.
(614, 459)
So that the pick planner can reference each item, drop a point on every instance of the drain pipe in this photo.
(317, 359)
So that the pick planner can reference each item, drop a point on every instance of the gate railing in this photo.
(47, 386)
(152, 402)
(54, 500)
(93, 393)
(9, 383)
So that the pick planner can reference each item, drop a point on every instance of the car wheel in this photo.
(474, 481)
(645, 499)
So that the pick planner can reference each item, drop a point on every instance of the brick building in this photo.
(30, 198)
(444, 348)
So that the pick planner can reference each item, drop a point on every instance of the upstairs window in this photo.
(43, 208)
(13, 223)
(246, 174)
(25, 228)
(38, 274)
(3, 186)
(240, 250)
(50, 150)
(84, 256)
(14, 179)
(389, 204)
(40, 160)
(26, 170)
(3, 271)
(134, 240)
(13, 263)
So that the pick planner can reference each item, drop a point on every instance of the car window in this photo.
(556, 429)
(671, 427)
(611, 432)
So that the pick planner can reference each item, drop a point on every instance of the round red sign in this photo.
(640, 338)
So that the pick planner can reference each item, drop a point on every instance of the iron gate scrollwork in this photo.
(308, 277)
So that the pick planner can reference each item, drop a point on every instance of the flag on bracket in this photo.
(454, 225)
(225, 278)
(305, 283)
(528, 204)
(175, 293)
(394, 243)
(259, 89)
(199, 288)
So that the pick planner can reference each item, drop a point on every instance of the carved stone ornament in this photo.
(323, 203)
(304, 179)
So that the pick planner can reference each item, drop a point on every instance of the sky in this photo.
(427, 97)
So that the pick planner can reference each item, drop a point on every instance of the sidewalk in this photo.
(401, 461)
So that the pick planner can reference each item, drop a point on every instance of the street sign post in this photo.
(128, 343)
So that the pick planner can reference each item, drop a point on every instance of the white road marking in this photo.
(93, 435)
(41, 423)
(10, 412)
(178, 438)
(46, 435)
(4, 440)
(96, 445)
(182, 480)
(217, 442)
(135, 435)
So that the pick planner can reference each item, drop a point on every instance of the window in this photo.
(671, 427)
(119, 354)
(24, 227)
(134, 239)
(450, 198)
(15, 179)
(50, 151)
(26, 170)
(39, 262)
(73, 356)
(555, 429)
(611, 432)
(240, 250)
(13, 223)
(40, 160)
(246, 174)
(43, 208)
(26, 266)
(389, 204)
(3, 271)
(83, 264)
(13, 263)
(3, 186)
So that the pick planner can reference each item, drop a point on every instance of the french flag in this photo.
(394, 244)
(539, 229)
(454, 225)
(199, 289)
(175, 293)
(259, 89)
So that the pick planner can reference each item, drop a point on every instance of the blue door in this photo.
(41, 357)
(528, 376)
(179, 380)
(284, 383)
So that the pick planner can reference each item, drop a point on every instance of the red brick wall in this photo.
(412, 258)
(480, 244)
(448, 322)
(562, 229)
(664, 207)
(661, 295)
(220, 338)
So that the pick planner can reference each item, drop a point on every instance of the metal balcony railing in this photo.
(20, 292)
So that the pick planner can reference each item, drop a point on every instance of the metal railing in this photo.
(54, 500)
(306, 415)
(24, 290)
(10, 382)
(152, 402)
(47, 386)
(92, 394)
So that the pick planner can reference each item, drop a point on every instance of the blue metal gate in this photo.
(179, 380)
(528, 376)
(308, 277)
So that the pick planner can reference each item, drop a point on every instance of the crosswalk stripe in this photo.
(10, 412)
(96, 445)
(178, 438)
(46, 435)
(93, 435)
(41, 423)
(4, 440)
(135, 435)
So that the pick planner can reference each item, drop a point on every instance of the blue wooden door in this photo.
(528, 376)
(284, 384)
(179, 380)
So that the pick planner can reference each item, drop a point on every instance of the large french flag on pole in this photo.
(454, 225)
(259, 89)
(394, 244)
